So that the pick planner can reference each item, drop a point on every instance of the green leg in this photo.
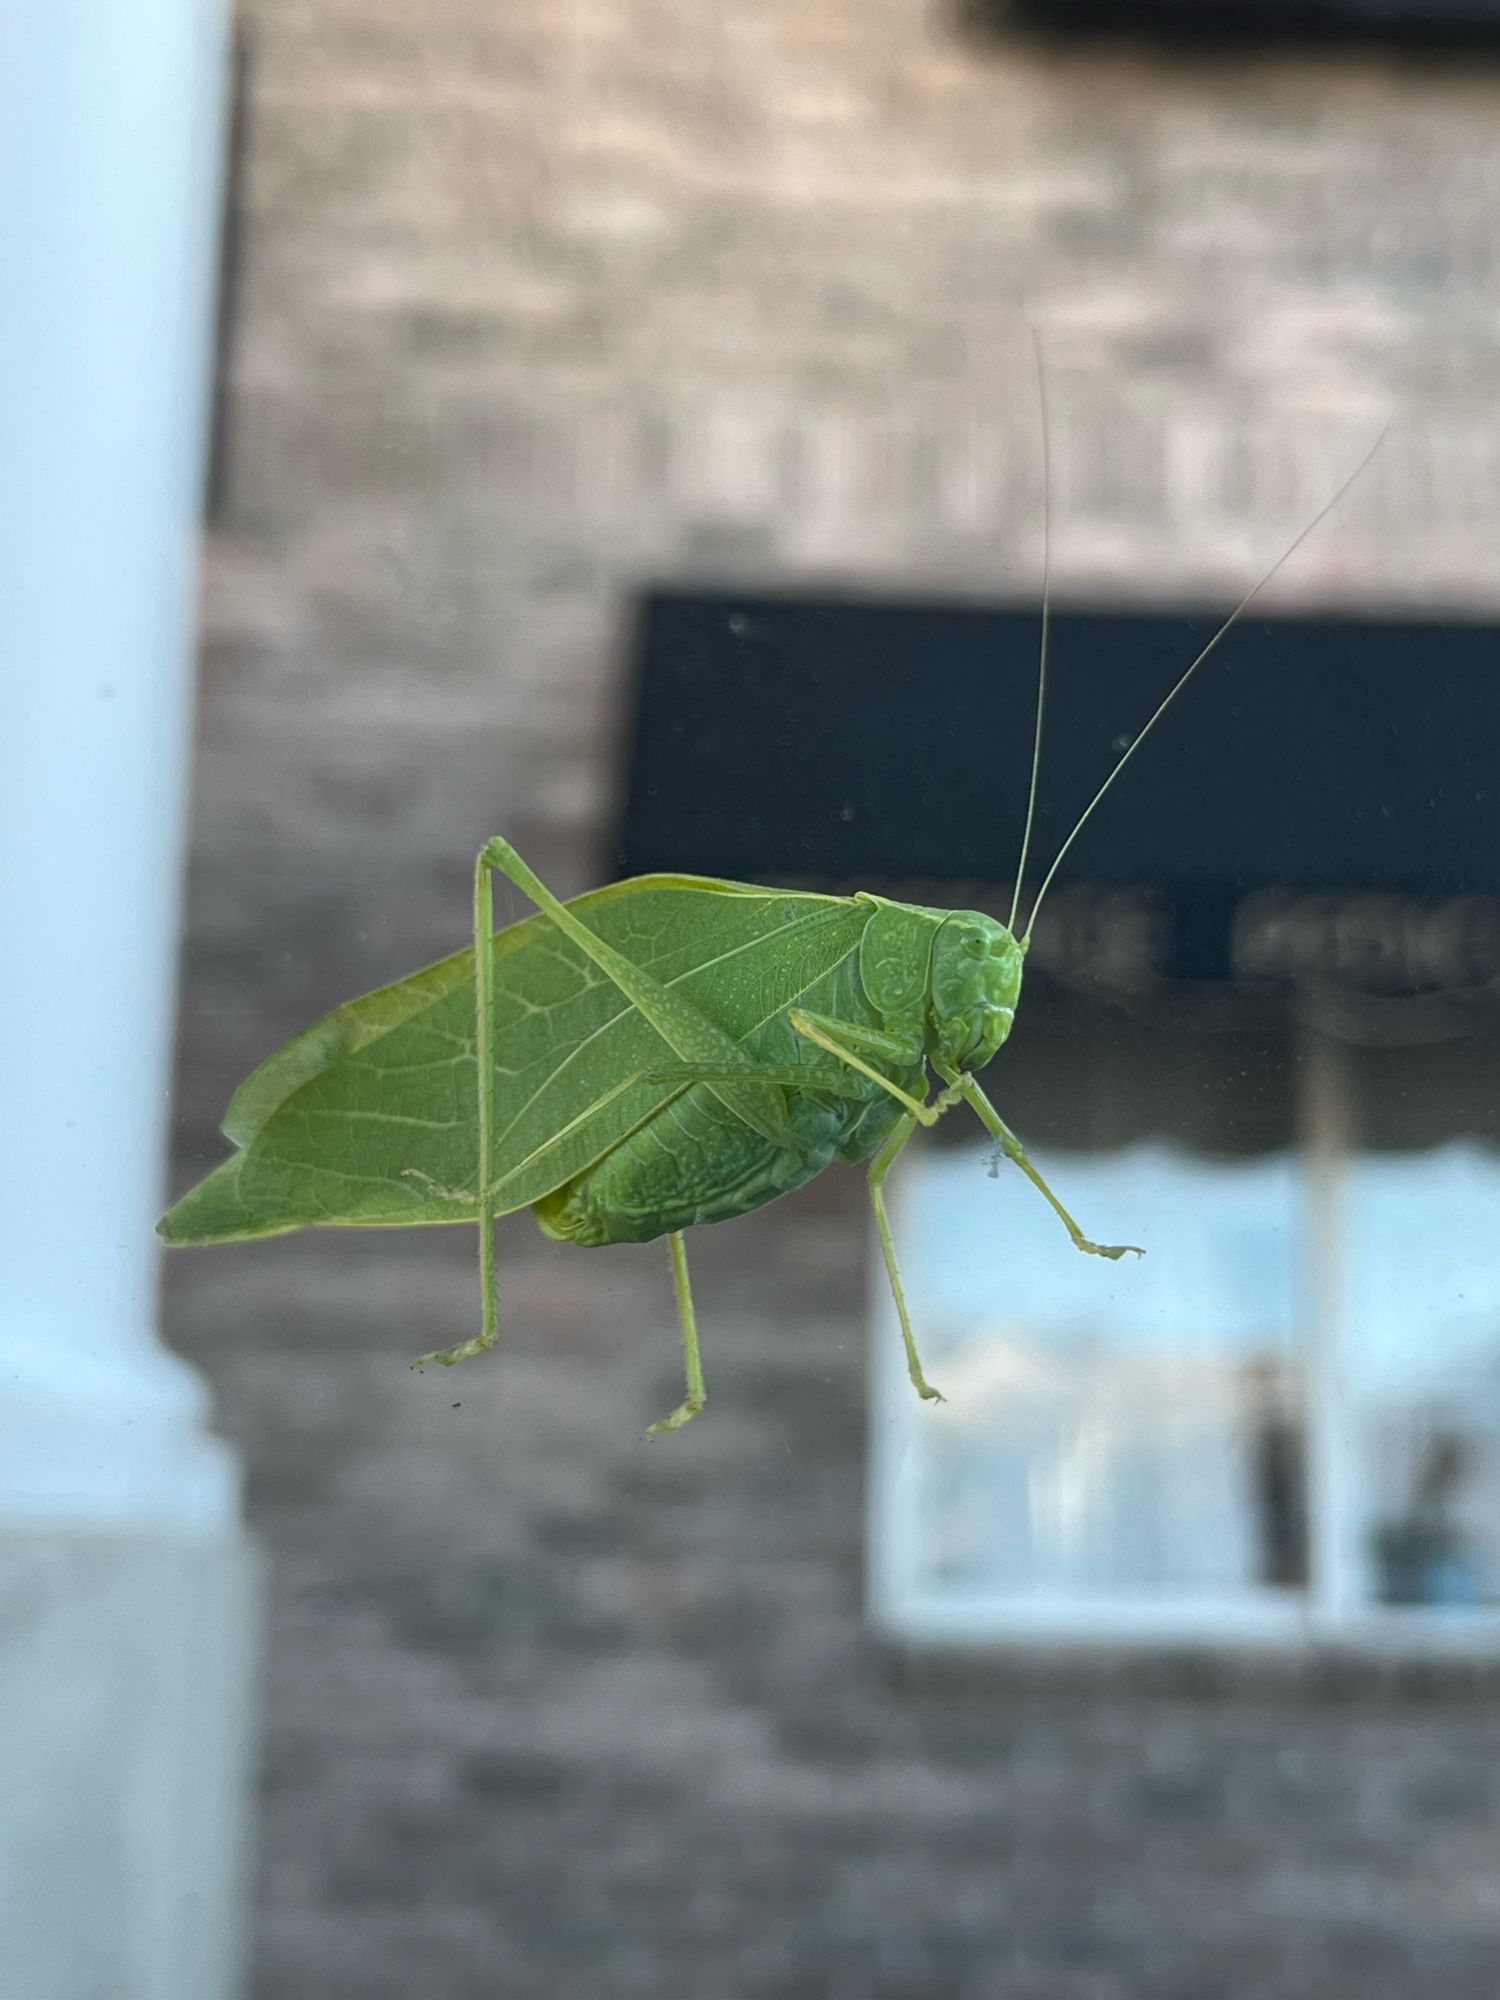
(697, 1395)
(484, 1050)
(812, 1029)
(904, 1050)
(1012, 1148)
(880, 1166)
(691, 1036)
(832, 1083)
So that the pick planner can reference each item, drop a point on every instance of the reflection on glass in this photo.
(1111, 1431)
(1133, 1446)
(1424, 1368)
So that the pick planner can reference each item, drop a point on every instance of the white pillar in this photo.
(125, 1607)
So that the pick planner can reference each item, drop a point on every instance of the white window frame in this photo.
(1331, 1614)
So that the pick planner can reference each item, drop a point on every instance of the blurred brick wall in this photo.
(540, 301)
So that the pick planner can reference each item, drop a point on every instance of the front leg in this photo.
(1013, 1150)
(903, 1050)
(835, 1039)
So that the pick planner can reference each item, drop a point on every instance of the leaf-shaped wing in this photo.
(368, 1117)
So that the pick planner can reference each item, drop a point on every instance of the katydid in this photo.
(668, 1051)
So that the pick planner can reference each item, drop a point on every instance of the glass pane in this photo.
(1114, 1432)
(1423, 1364)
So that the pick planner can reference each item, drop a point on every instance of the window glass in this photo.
(1209, 1441)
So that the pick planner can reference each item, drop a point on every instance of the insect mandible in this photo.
(668, 1051)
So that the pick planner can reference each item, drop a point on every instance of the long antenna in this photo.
(1041, 673)
(1177, 689)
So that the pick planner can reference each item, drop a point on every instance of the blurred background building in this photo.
(1156, 1663)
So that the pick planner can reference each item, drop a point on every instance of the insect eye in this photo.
(975, 947)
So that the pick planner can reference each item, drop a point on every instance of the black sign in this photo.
(1402, 23)
(1324, 800)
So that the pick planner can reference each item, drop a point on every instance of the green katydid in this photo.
(667, 1051)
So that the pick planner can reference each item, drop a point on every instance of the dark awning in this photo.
(1325, 798)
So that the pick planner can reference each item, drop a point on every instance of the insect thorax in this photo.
(953, 975)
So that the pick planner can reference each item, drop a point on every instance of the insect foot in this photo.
(1114, 1251)
(445, 1357)
(683, 1414)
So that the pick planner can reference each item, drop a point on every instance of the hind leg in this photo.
(484, 1056)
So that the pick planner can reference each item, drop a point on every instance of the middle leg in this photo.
(880, 1166)
(697, 1393)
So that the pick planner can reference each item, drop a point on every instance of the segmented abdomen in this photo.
(694, 1162)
